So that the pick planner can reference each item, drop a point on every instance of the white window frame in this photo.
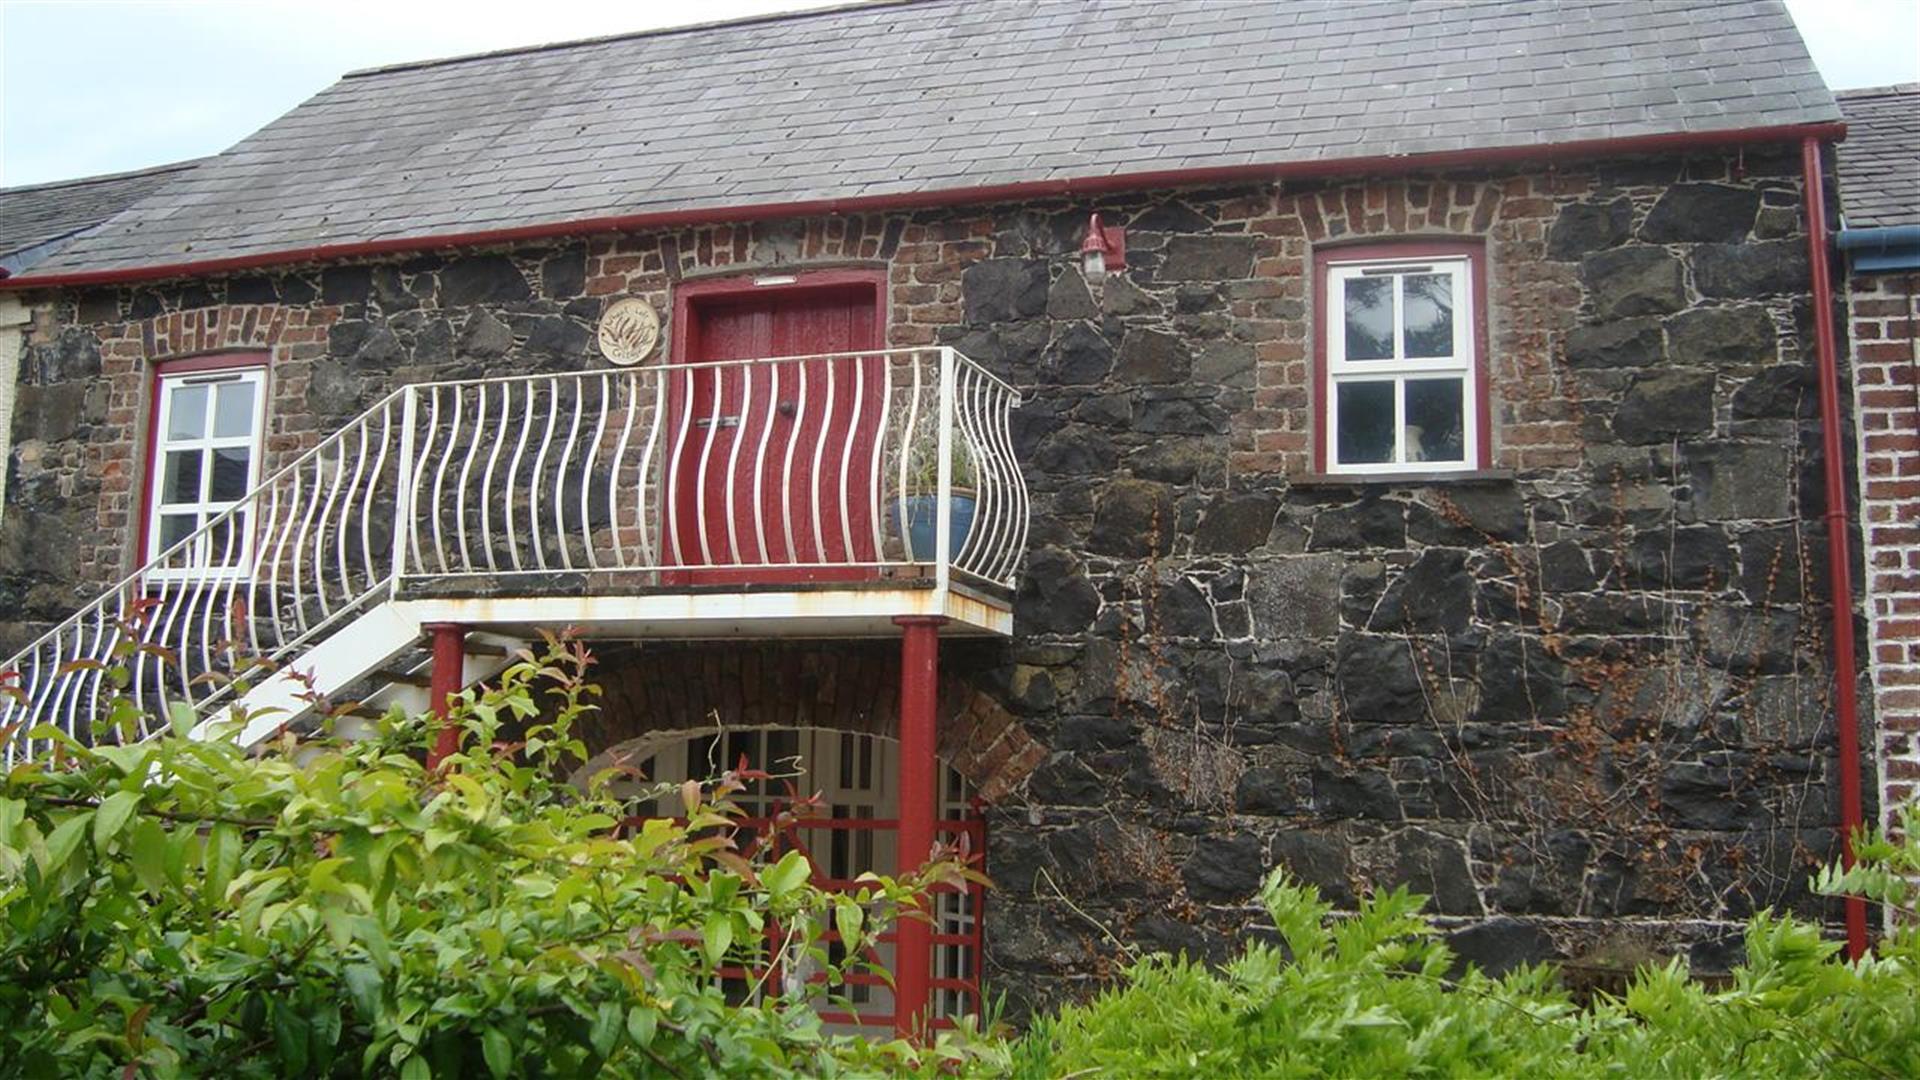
(200, 566)
(1465, 361)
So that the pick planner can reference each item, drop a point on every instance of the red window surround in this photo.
(1472, 250)
(150, 464)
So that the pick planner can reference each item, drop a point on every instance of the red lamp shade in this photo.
(1108, 243)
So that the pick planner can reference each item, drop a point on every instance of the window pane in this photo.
(175, 528)
(1369, 307)
(229, 474)
(1436, 420)
(1428, 315)
(233, 411)
(187, 413)
(222, 534)
(1366, 422)
(180, 482)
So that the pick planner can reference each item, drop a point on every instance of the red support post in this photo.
(919, 793)
(448, 676)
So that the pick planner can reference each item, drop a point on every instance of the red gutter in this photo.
(1022, 190)
(1839, 567)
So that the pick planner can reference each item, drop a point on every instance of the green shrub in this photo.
(1371, 995)
(334, 908)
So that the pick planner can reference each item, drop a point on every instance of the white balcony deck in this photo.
(819, 496)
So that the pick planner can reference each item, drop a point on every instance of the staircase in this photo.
(648, 501)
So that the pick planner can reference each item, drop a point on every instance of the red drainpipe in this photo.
(448, 674)
(919, 779)
(1839, 566)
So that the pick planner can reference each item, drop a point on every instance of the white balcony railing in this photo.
(798, 470)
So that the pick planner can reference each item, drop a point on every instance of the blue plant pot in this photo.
(921, 513)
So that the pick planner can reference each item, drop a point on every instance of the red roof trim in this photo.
(1026, 189)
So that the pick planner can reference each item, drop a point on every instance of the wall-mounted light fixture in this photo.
(1103, 250)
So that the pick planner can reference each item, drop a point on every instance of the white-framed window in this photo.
(1402, 382)
(207, 427)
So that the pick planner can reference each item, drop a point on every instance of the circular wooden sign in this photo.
(629, 331)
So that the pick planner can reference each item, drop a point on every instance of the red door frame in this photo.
(190, 365)
(683, 342)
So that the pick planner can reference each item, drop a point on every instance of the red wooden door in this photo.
(773, 465)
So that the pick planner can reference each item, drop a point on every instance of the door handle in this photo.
(717, 422)
(787, 408)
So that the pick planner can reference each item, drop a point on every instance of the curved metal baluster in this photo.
(760, 463)
(700, 474)
(486, 478)
(373, 486)
(786, 465)
(675, 461)
(642, 481)
(539, 473)
(466, 471)
(420, 457)
(845, 496)
(882, 428)
(819, 451)
(320, 528)
(279, 552)
(586, 474)
(909, 434)
(733, 466)
(458, 406)
(297, 573)
(560, 476)
(613, 469)
(343, 530)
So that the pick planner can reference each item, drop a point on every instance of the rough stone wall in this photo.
(1582, 701)
(1886, 367)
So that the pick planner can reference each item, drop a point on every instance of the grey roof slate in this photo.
(943, 94)
(1879, 164)
(33, 215)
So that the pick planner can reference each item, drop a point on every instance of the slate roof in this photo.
(1879, 164)
(37, 214)
(905, 99)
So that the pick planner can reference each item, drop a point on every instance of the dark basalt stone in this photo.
(1366, 794)
(1207, 258)
(1225, 869)
(334, 389)
(1377, 681)
(1434, 865)
(482, 279)
(252, 290)
(1688, 557)
(1366, 524)
(1003, 290)
(1149, 356)
(1063, 780)
(1269, 792)
(1659, 406)
(1498, 946)
(559, 336)
(1080, 356)
(1127, 517)
(1711, 337)
(1435, 594)
(1236, 524)
(485, 337)
(341, 285)
(73, 354)
(1618, 343)
(1781, 392)
(1180, 416)
(564, 275)
(1582, 228)
(1171, 217)
(1225, 363)
(1746, 271)
(1634, 281)
(1701, 213)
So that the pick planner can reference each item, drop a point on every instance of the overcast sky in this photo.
(96, 86)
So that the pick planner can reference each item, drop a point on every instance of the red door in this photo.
(773, 465)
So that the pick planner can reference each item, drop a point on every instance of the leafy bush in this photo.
(1372, 995)
(335, 908)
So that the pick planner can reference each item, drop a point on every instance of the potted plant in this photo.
(916, 512)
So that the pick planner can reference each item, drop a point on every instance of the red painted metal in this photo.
(1839, 543)
(797, 314)
(1382, 165)
(446, 680)
(1109, 240)
(919, 792)
(165, 369)
(1475, 251)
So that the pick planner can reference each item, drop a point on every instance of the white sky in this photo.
(95, 86)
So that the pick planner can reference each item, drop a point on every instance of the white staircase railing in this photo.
(791, 469)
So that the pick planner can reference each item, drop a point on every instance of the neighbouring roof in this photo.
(34, 218)
(914, 99)
(1879, 164)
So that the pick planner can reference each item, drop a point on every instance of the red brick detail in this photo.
(1886, 367)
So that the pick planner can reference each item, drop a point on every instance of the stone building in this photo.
(1391, 434)
(1880, 197)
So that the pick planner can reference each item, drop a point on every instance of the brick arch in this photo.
(844, 686)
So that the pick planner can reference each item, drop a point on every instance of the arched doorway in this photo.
(855, 775)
